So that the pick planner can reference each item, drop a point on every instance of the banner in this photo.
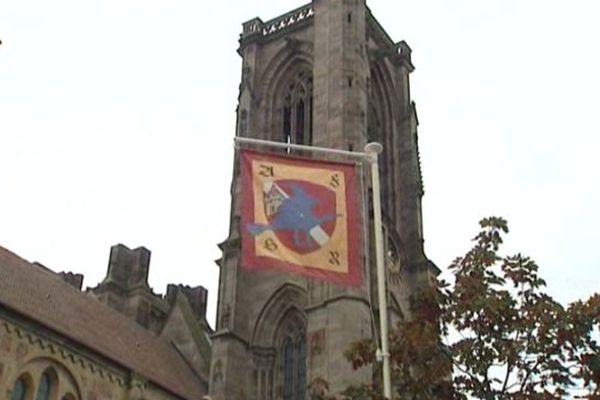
(301, 216)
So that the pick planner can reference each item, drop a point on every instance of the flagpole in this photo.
(283, 145)
(372, 150)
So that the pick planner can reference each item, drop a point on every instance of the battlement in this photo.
(257, 28)
(196, 296)
(126, 290)
(73, 279)
(128, 268)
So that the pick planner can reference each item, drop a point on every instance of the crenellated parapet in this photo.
(256, 28)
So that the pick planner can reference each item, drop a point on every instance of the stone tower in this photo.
(325, 74)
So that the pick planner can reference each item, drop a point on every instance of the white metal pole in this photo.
(373, 149)
(282, 145)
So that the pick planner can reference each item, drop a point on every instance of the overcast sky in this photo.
(117, 119)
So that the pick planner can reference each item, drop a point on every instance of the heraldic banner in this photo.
(301, 216)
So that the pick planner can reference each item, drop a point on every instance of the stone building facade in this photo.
(325, 74)
(117, 341)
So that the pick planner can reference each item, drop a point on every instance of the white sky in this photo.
(117, 118)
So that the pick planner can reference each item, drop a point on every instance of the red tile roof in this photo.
(42, 296)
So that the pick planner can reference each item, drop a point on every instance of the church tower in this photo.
(325, 74)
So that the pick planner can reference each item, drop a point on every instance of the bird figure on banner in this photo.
(294, 213)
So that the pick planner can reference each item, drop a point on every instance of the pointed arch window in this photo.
(290, 346)
(288, 369)
(294, 367)
(301, 366)
(298, 110)
(379, 129)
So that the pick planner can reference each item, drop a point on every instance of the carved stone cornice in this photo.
(63, 353)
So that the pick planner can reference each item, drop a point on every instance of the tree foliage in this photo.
(493, 334)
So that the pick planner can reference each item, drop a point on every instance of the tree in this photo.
(493, 334)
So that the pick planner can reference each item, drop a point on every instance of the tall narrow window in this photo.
(19, 390)
(300, 118)
(301, 367)
(288, 370)
(43, 392)
(297, 110)
(290, 345)
(294, 367)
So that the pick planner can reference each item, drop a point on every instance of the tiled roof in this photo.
(42, 296)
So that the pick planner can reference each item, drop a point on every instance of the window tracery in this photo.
(288, 369)
(393, 263)
(298, 110)
(301, 373)
(279, 346)
(292, 355)
(294, 366)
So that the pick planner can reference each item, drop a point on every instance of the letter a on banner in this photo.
(301, 216)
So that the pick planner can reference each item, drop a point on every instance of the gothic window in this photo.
(243, 123)
(294, 367)
(288, 369)
(373, 124)
(298, 110)
(393, 263)
(301, 381)
(379, 130)
(43, 392)
(290, 345)
(19, 390)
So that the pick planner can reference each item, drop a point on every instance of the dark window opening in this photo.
(298, 111)
(19, 390)
(300, 122)
(301, 381)
(294, 368)
(310, 120)
(43, 392)
(287, 124)
(288, 370)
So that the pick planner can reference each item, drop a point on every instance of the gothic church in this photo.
(325, 74)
